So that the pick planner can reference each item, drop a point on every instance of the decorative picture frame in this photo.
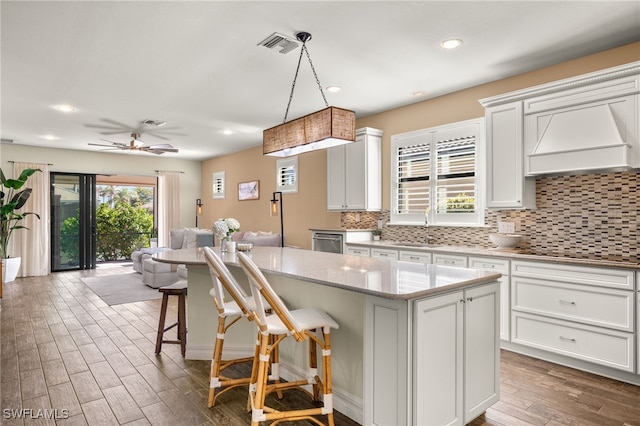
(249, 190)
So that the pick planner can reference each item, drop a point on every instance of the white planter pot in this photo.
(10, 269)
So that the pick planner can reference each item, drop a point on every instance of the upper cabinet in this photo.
(506, 185)
(585, 123)
(354, 175)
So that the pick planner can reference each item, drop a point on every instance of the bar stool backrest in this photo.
(260, 286)
(223, 277)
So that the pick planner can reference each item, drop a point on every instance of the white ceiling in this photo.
(197, 66)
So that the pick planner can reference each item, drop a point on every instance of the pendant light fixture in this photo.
(322, 129)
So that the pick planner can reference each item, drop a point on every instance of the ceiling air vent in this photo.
(279, 41)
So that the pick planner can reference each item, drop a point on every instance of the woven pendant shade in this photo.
(322, 129)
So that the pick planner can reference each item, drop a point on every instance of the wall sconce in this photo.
(198, 210)
(276, 207)
(322, 129)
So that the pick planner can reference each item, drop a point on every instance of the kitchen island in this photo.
(417, 344)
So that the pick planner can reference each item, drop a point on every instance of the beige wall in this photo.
(307, 208)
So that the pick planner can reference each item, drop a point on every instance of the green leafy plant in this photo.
(12, 199)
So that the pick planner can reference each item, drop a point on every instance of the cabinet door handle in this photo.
(567, 302)
(462, 301)
(470, 299)
(567, 339)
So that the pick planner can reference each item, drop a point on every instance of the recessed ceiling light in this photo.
(49, 137)
(334, 89)
(451, 43)
(227, 132)
(418, 93)
(65, 108)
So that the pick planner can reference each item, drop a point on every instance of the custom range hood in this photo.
(581, 138)
(586, 123)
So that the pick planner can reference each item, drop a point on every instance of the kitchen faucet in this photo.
(427, 238)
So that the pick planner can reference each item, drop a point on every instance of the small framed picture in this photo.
(249, 190)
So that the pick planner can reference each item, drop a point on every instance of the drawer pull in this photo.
(414, 258)
(567, 339)
(567, 302)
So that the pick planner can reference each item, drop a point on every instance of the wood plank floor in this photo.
(63, 348)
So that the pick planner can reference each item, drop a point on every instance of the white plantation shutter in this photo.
(456, 171)
(413, 174)
(218, 185)
(435, 175)
(287, 174)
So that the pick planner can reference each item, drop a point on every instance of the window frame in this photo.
(283, 164)
(431, 136)
(218, 194)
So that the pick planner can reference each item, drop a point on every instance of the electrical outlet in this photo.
(357, 217)
(506, 227)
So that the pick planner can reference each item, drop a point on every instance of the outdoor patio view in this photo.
(124, 221)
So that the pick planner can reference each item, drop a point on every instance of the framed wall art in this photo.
(249, 190)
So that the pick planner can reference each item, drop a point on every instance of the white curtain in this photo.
(33, 245)
(168, 205)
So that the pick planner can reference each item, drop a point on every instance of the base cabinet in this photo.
(463, 326)
(445, 371)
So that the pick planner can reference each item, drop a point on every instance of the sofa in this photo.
(158, 274)
(258, 238)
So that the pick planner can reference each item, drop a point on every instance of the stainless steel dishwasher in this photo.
(328, 242)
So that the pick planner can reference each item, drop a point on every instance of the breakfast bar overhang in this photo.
(418, 344)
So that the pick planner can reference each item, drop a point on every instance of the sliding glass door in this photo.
(73, 221)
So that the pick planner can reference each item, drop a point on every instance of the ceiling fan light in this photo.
(65, 108)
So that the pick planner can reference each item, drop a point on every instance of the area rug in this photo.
(121, 288)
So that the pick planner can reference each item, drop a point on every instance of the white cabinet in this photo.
(507, 186)
(449, 260)
(359, 251)
(354, 173)
(414, 256)
(384, 253)
(581, 312)
(456, 360)
(501, 266)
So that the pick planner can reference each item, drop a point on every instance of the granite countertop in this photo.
(380, 277)
(511, 254)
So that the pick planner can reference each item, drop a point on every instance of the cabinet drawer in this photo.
(384, 253)
(449, 260)
(415, 256)
(359, 251)
(487, 263)
(614, 278)
(593, 344)
(599, 306)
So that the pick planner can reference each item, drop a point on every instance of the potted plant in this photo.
(376, 234)
(12, 198)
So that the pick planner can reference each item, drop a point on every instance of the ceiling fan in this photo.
(135, 144)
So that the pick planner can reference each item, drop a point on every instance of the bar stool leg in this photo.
(163, 315)
(182, 323)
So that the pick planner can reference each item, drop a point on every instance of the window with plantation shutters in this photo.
(435, 175)
(287, 174)
(218, 185)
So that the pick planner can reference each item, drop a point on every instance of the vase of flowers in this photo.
(224, 229)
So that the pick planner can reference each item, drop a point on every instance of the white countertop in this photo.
(511, 254)
(380, 277)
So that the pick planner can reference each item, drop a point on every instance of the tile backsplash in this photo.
(582, 216)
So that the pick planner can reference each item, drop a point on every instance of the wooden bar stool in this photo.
(178, 289)
(302, 325)
(241, 306)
